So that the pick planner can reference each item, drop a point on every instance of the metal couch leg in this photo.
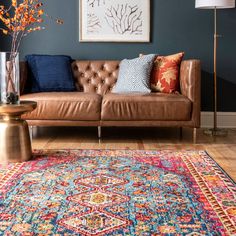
(181, 133)
(99, 132)
(31, 130)
(194, 135)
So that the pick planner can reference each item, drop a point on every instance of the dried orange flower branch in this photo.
(22, 18)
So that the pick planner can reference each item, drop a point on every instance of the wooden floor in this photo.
(222, 149)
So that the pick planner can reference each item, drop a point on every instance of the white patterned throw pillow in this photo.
(134, 75)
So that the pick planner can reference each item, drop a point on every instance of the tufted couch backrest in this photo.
(95, 76)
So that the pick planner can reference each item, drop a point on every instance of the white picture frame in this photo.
(114, 21)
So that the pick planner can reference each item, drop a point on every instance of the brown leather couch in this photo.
(94, 104)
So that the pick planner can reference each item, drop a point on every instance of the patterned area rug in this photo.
(117, 192)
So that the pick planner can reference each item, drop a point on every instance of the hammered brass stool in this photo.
(15, 143)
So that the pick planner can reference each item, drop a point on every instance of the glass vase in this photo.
(9, 78)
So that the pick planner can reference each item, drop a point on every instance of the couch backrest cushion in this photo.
(95, 76)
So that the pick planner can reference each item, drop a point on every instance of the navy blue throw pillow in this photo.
(50, 73)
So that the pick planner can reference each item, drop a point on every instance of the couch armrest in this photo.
(190, 86)
(23, 76)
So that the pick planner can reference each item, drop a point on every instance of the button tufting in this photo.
(95, 74)
(96, 88)
(89, 80)
(103, 81)
(82, 74)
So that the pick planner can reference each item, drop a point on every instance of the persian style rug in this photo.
(117, 192)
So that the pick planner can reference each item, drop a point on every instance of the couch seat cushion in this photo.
(153, 106)
(64, 106)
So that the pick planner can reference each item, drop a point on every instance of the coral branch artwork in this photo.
(112, 20)
(125, 19)
(94, 3)
(94, 24)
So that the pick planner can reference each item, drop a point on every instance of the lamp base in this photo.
(216, 132)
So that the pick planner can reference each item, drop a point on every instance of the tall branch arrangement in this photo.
(19, 19)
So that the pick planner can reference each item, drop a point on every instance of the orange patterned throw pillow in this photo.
(165, 73)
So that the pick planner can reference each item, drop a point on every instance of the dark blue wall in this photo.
(175, 26)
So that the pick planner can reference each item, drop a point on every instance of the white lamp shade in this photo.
(211, 4)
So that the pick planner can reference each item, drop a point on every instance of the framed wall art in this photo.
(114, 20)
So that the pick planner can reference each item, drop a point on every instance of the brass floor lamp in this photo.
(215, 4)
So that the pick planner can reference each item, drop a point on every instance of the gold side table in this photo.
(15, 143)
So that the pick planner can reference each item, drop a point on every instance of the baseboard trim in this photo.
(225, 119)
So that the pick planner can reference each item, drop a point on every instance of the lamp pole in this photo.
(215, 75)
(215, 131)
(215, 4)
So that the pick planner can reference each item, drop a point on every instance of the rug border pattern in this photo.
(226, 221)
